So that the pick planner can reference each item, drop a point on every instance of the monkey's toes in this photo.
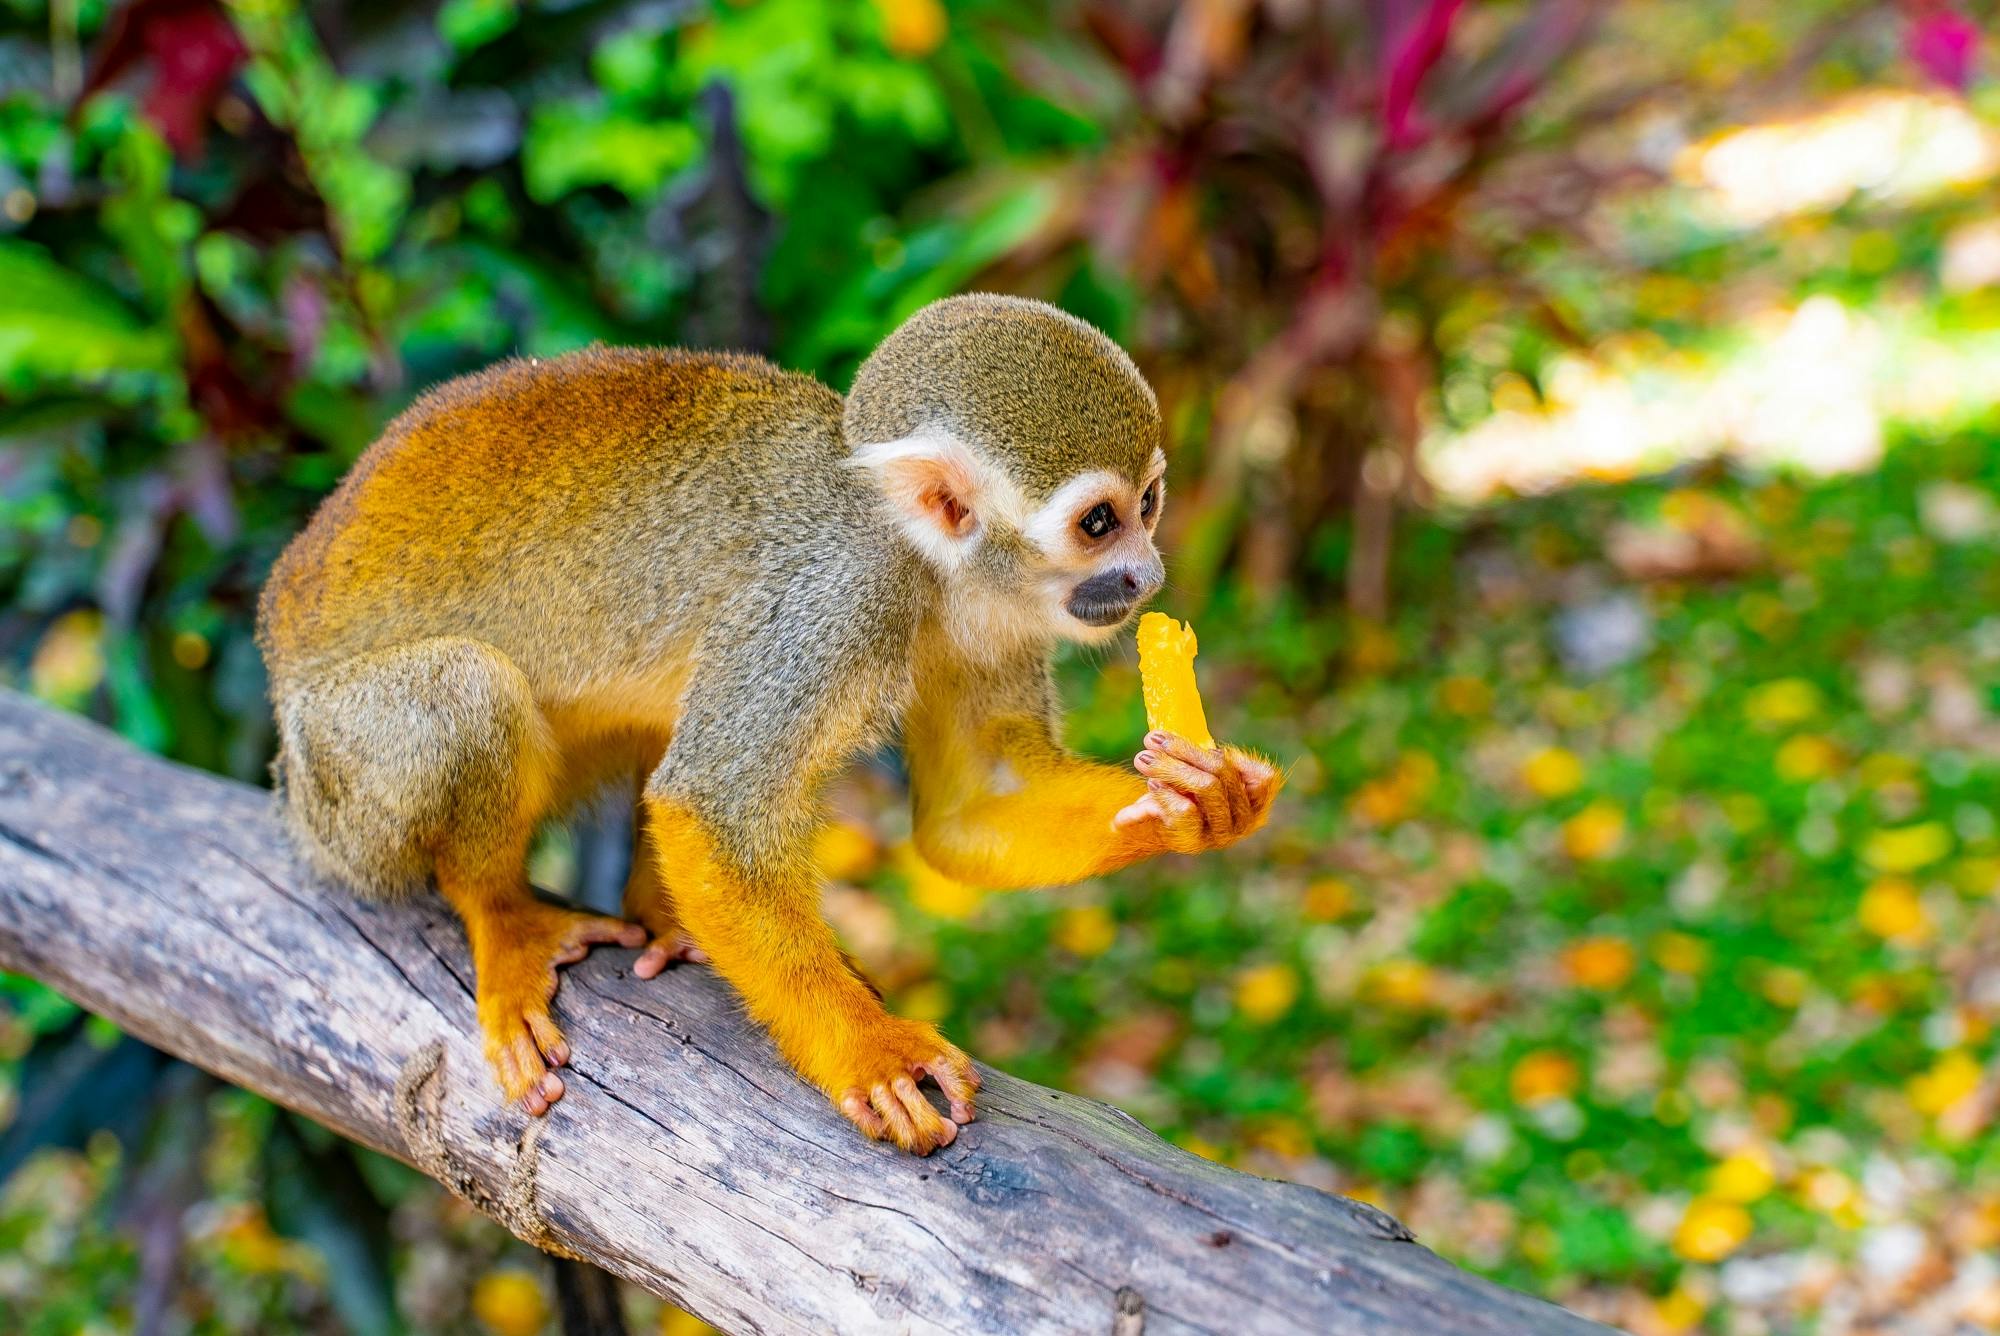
(889, 1104)
(897, 1111)
(664, 951)
(588, 930)
(524, 1059)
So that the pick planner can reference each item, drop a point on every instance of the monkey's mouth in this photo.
(1094, 612)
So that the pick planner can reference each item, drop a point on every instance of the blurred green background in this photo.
(1583, 421)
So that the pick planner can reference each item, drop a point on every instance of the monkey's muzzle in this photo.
(1108, 597)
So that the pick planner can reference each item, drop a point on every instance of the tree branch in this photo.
(685, 1157)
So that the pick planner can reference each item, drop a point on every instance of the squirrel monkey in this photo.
(715, 582)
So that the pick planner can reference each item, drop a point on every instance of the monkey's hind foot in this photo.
(515, 952)
(878, 1089)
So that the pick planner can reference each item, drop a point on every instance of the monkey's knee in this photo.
(401, 759)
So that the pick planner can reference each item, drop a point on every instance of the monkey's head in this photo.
(1019, 450)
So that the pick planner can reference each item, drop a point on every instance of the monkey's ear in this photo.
(939, 490)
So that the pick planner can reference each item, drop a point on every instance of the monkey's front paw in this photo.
(876, 1086)
(515, 955)
(1201, 797)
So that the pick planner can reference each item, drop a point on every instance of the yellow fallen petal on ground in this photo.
(1394, 796)
(927, 1001)
(69, 662)
(1807, 757)
(1403, 983)
(1602, 963)
(1678, 1310)
(1086, 930)
(1833, 1193)
(1978, 875)
(1678, 953)
(1327, 899)
(680, 1322)
(1266, 992)
(1598, 831)
(510, 1303)
(1789, 700)
(1908, 848)
(1552, 772)
(1891, 910)
(1466, 697)
(1543, 1075)
(1711, 1229)
(1742, 1177)
(1952, 1078)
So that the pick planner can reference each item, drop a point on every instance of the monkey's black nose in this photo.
(1108, 597)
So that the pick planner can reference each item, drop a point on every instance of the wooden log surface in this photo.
(685, 1157)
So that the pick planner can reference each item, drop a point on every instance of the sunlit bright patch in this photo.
(1890, 146)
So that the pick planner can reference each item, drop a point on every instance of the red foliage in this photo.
(194, 51)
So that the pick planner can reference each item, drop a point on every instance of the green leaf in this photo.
(55, 324)
(572, 144)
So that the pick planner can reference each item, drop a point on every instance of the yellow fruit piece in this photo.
(510, 1303)
(1166, 676)
(1711, 1229)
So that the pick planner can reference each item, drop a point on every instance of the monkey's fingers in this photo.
(1261, 780)
(1180, 819)
(1214, 761)
(1138, 813)
(1191, 782)
(662, 952)
(957, 1078)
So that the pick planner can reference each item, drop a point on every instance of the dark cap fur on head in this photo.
(1025, 385)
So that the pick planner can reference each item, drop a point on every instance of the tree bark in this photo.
(685, 1156)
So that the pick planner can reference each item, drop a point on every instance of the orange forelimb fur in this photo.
(766, 936)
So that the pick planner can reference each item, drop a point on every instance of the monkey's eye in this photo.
(1150, 502)
(1099, 520)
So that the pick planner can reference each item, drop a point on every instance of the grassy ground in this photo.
(1636, 941)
